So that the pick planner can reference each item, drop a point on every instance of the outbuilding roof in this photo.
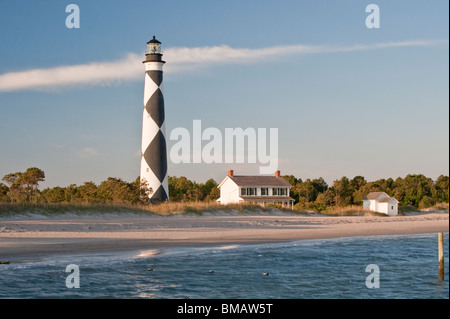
(386, 199)
(374, 195)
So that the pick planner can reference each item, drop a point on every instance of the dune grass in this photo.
(438, 207)
(165, 209)
(352, 210)
(183, 208)
(47, 209)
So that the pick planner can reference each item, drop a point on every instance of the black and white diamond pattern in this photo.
(154, 150)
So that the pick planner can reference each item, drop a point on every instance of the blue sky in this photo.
(347, 100)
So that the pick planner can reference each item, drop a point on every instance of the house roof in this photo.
(260, 181)
(374, 195)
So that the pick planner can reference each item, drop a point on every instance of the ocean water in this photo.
(308, 269)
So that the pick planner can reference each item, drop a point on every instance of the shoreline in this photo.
(39, 236)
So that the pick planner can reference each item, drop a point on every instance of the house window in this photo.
(392, 207)
(264, 191)
(280, 191)
(248, 191)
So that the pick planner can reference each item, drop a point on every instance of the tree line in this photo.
(415, 190)
(22, 187)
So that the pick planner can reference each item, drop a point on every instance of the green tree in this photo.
(23, 186)
(320, 185)
(4, 193)
(115, 190)
(178, 188)
(307, 191)
(441, 193)
(293, 192)
(399, 190)
(357, 182)
(292, 179)
(326, 198)
(141, 191)
(343, 192)
(88, 192)
(15, 189)
(32, 176)
(194, 194)
(213, 195)
(11, 178)
(207, 189)
(54, 195)
(385, 185)
(426, 201)
(72, 194)
(412, 189)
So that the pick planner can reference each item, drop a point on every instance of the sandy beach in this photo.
(37, 235)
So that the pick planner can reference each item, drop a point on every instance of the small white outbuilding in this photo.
(381, 202)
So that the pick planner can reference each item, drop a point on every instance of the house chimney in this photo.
(230, 172)
(277, 173)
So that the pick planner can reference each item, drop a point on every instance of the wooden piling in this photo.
(441, 255)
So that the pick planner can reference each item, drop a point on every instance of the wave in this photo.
(148, 253)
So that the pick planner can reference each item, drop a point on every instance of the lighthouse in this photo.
(154, 151)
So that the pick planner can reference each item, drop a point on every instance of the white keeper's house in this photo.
(258, 189)
(381, 202)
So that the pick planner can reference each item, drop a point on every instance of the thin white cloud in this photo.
(87, 152)
(92, 73)
(181, 60)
